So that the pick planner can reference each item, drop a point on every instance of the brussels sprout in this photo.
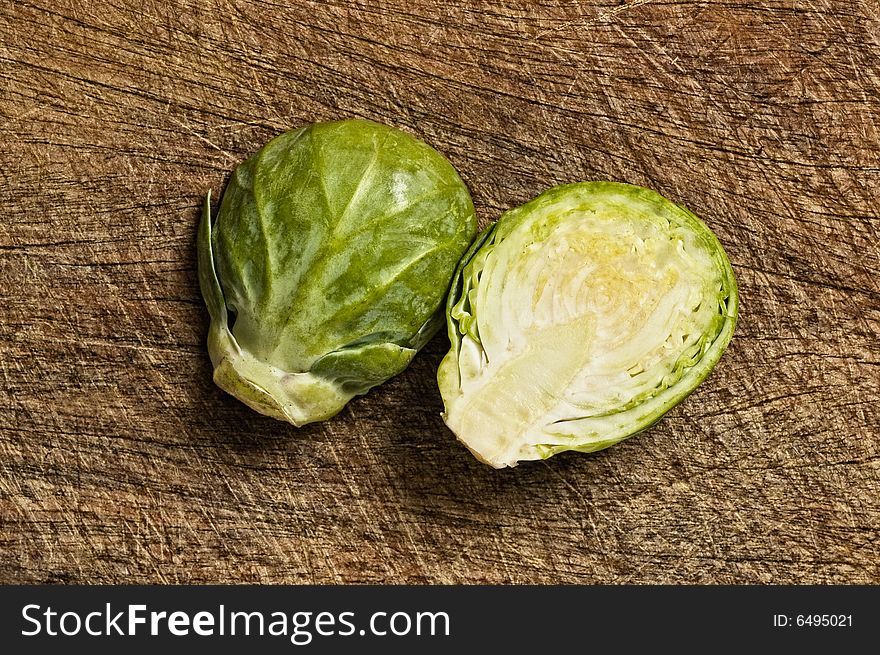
(328, 264)
(579, 319)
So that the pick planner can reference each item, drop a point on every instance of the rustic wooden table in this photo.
(120, 461)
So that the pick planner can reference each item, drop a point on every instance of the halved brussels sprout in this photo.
(579, 319)
(328, 264)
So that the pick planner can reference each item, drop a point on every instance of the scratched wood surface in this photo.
(120, 461)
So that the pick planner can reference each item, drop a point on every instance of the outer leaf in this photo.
(579, 319)
(328, 265)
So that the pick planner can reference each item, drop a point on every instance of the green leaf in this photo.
(332, 253)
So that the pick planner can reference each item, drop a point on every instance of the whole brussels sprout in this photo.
(579, 319)
(328, 264)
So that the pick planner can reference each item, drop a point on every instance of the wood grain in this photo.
(120, 461)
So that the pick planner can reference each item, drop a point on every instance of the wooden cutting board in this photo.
(120, 461)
